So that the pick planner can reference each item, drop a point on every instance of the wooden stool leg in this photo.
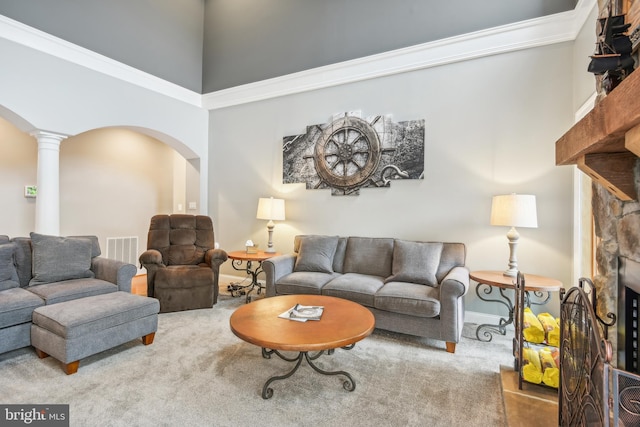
(451, 347)
(148, 339)
(72, 368)
(41, 354)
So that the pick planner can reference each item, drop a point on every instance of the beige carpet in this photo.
(197, 373)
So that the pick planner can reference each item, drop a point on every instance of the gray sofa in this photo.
(416, 288)
(44, 270)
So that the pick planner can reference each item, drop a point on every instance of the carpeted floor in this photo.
(197, 373)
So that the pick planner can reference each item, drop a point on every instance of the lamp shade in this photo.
(270, 209)
(514, 210)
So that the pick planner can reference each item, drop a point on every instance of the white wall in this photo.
(112, 181)
(584, 45)
(115, 132)
(584, 94)
(491, 125)
(17, 168)
(52, 94)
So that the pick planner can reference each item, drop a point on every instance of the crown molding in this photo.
(33, 38)
(557, 28)
(532, 33)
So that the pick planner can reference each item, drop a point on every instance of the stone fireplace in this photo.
(617, 230)
(605, 144)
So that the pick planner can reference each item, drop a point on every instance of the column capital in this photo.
(47, 135)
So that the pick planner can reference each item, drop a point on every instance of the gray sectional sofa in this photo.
(44, 270)
(416, 288)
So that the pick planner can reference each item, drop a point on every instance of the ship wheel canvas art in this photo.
(350, 152)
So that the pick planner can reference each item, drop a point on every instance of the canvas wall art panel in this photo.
(351, 152)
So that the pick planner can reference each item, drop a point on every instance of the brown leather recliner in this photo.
(182, 264)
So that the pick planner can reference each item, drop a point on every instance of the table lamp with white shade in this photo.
(273, 210)
(514, 210)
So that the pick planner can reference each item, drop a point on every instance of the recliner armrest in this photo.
(214, 258)
(151, 256)
(117, 272)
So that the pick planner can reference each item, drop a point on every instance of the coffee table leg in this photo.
(348, 385)
(267, 392)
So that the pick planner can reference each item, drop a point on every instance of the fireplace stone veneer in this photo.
(617, 229)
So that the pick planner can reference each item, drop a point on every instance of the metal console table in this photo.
(539, 287)
(238, 258)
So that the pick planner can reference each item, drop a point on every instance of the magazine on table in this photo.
(302, 313)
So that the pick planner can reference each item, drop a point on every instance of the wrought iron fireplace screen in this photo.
(592, 392)
(628, 302)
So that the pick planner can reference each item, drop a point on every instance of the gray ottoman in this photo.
(72, 330)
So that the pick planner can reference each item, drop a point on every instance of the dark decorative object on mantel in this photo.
(612, 60)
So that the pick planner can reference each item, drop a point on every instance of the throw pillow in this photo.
(415, 262)
(316, 254)
(8, 273)
(60, 258)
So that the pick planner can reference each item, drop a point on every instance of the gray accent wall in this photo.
(160, 37)
(248, 40)
(209, 45)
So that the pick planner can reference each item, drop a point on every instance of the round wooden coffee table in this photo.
(343, 323)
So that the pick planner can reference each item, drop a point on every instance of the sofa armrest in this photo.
(455, 284)
(117, 272)
(275, 268)
(214, 258)
(453, 288)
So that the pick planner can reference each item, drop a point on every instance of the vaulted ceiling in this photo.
(209, 45)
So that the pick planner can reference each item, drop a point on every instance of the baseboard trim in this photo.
(484, 319)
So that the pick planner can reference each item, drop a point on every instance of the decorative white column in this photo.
(48, 182)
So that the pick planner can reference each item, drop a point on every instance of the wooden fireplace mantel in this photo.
(606, 142)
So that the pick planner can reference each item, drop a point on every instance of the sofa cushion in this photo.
(453, 255)
(60, 258)
(409, 298)
(23, 258)
(415, 262)
(338, 258)
(184, 277)
(95, 244)
(303, 282)
(8, 272)
(67, 290)
(316, 254)
(360, 288)
(16, 306)
(371, 256)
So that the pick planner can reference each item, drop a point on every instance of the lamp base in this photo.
(510, 272)
(512, 236)
(270, 249)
